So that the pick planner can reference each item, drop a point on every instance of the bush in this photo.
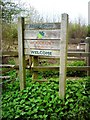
(78, 30)
(9, 35)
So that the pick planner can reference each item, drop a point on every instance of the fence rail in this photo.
(46, 68)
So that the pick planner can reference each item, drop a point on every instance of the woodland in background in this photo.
(10, 13)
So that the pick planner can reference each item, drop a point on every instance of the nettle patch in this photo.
(40, 101)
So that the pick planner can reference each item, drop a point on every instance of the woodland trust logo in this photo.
(40, 35)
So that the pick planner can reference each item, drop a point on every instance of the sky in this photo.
(75, 8)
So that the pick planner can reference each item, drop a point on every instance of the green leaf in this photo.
(17, 116)
(67, 96)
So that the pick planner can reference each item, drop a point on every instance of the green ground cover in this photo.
(40, 101)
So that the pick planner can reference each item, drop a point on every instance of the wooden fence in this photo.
(5, 66)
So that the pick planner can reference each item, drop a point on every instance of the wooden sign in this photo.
(42, 26)
(43, 31)
(42, 52)
(42, 44)
(42, 34)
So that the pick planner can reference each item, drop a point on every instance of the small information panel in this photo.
(42, 44)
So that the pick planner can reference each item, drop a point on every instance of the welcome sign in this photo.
(42, 39)
(47, 39)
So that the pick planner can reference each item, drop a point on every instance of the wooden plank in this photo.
(63, 55)
(42, 26)
(75, 59)
(53, 68)
(42, 52)
(78, 54)
(9, 53)
(56, 68)
(4, 77)
(76, 50)
(88, 57)
(45, 68)
(42, 34)
(42, 44)
(88, 38)
(21, 53)
(71, 40)
(54, 53)
(57, 58)
(6, 66)
(46, 44)
(35, 63)
(30, 60)
(9, 66)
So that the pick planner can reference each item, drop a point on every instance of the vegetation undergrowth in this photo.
(40, 101)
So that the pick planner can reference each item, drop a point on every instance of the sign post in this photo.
(88, 44)
(21, 52)
(63, 54)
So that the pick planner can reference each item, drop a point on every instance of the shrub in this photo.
(78, 30)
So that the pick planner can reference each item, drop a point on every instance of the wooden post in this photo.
(63, 54)
(21, 52)
(30, 60)
(35, 63)
(87, 49)
(1, 38)
(88, 44)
